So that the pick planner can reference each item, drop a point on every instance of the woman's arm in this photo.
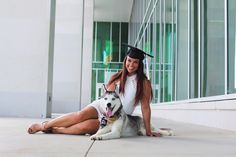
(146, 110)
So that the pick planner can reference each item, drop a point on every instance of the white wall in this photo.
(24, 48)
(213, 113)
(72, 55)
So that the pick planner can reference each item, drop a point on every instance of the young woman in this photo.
(134, 89)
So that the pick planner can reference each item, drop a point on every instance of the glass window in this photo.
(182, 52)
(194, 51)
(168, 64)
(124, 39)
(94, 39)
(158, 42)
(232, 46)
(115, 41)
(167, 52)
(93, 91)
(103, 39)
(107, 38)
(213, 61)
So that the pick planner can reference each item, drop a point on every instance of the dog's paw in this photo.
(166, 131)
(95, 137)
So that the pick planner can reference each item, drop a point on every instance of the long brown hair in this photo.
(122, 75)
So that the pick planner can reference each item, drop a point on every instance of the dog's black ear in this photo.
(105, 88)
(116, 95)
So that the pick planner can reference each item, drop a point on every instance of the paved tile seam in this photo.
(85, 155)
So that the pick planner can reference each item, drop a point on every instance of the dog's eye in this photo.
(113, 99)
(105, 98)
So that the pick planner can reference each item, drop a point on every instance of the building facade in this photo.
(193, 72)
(55, 55)
(192, 43)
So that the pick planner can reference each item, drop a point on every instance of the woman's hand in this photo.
(112, 86)
(153, 134)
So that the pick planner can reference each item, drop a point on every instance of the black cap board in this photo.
(136, 53)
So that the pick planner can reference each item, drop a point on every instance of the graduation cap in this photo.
(136, 53)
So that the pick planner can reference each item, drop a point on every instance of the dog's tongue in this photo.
(109, 112)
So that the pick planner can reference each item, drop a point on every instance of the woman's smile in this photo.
(132, 65)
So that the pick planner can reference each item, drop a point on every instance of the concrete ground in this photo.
(189, 141)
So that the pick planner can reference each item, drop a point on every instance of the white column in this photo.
(24, 49)
(87, 53)
(72, 55)
(67, 56)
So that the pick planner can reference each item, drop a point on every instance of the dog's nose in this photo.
(108, 104)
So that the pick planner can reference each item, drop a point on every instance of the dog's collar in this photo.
(105, 120)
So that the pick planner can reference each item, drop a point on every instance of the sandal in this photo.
(46, 131)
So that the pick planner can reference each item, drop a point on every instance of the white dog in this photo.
(116, 123)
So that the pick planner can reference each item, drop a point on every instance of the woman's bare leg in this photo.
(66, 120)
(73, 118)
(86, 127)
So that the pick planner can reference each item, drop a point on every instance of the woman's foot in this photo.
(38, 127)
(35, 128)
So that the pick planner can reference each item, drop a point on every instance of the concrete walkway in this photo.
(189, 141)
